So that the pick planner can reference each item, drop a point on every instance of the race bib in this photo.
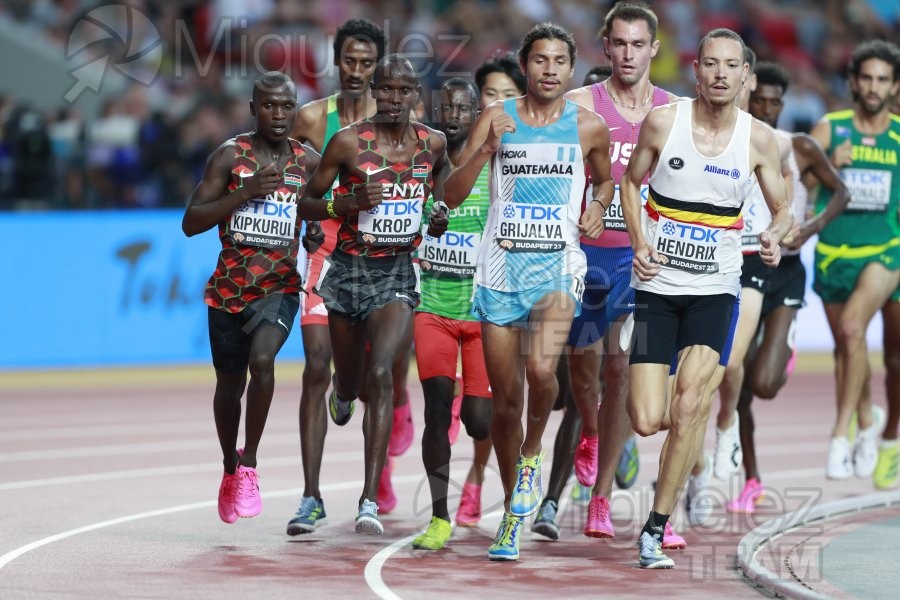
(396, 221)
(532, 227)
(687, 247)
(757, 219)
(870, 189)
(613, 219)
(454, 253)
(267, 223)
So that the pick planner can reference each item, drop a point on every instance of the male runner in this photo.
(444, 325)
(700, 155)
(249, 189)
(623, 100)
(858, 261)
(358, 46)
(498, 78)
(387, 167)
(530, 266)
(768, 359)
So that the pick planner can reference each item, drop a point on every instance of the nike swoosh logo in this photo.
(614, 128)
(370, 171)
(244, 174)
(792, 301)
(399, 295)
(282, 323)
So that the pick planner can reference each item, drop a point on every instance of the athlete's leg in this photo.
(566, 436)
(873, 288)
(769, 370)
(267, 340)
(891, 317)
(386, 328)
(227, 413)
(549, 325)
(313, 415)
(613, 423)
(438, 393)
(748, 320)
(506, 371)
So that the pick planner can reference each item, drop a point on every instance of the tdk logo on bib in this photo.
(396, 208)
(697, 234)
(733, 173)
(532, 212)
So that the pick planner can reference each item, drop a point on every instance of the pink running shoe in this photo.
(749, 498)
(598, 524)
(247, 501)
(386, 499)
(227, 490)
(586, 460)
(402, 432)
(792, 362)
(671, 540)
(455, 408)
(469, 512)
(227, 493)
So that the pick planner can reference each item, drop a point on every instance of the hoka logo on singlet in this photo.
(514, 154)
(733, 173)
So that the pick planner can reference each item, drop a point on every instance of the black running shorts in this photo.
(353, 286)
(663, 324)
(230, 334)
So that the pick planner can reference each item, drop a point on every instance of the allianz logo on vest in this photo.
(733, 173)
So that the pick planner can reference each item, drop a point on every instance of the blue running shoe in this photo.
(651, 554)
(629, 464)
(309, 516)
(340, 410)
(367, 519)
(506, 544)
(526, 496)
(545, 522)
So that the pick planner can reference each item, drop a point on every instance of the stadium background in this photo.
(108, 112)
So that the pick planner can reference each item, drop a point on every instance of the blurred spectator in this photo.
(148, 145)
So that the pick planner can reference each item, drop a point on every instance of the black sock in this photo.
(655, 525)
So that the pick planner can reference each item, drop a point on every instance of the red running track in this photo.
(109, 479)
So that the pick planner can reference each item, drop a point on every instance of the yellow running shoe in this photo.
(435, 537)
(886, 470)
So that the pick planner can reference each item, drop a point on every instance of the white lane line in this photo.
(14, 554)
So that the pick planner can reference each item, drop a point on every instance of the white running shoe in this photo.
(840, 465)
(698, 501)
(865, 447)
(729, 456)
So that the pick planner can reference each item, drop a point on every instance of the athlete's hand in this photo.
(646, 263)
(500, 124)
(363, 197)
(842, 155)
(796, 237)
(591, 223)
(439, 220)
(769, 251)
(263, 182)
(314, 237)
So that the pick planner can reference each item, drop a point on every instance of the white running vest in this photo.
(537, 180)
(693, 215)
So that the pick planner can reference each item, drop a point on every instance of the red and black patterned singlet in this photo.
(394, 226)
(260, 239)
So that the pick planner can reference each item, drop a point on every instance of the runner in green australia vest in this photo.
(857, 265)
(444, 324)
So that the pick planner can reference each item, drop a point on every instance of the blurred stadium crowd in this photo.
(147, 146)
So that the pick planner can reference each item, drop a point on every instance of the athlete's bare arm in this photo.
(340, 154)
(311, 122)
(483, 141)
(582, 97)
(654, 131)
(438, 142)
(811, 159)
(594, 135)
(764, 159)
(211, 202)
